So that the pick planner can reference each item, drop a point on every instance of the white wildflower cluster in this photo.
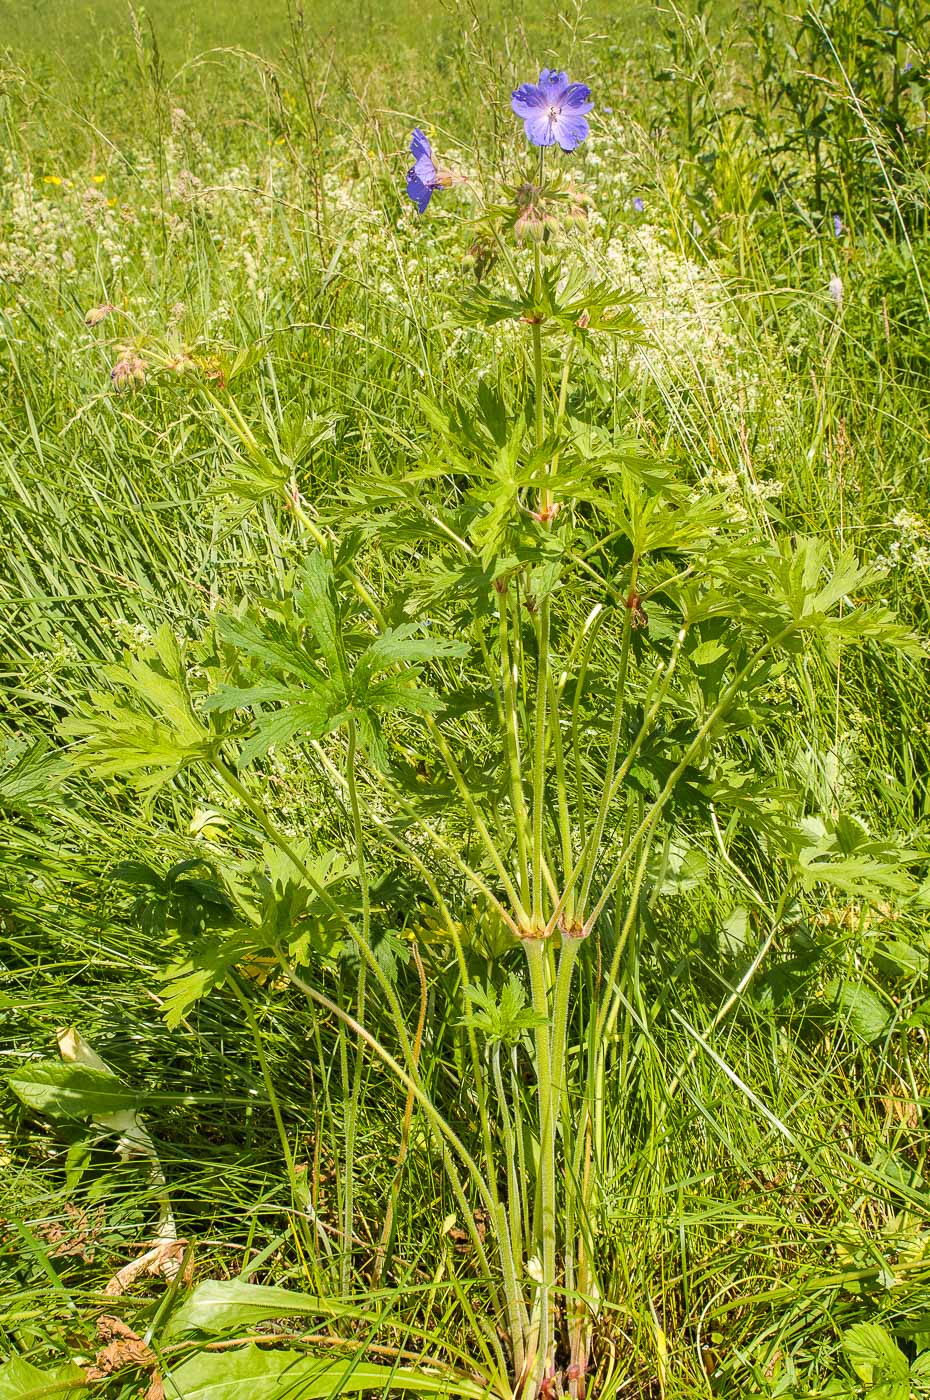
(691, 341)
(910, 549)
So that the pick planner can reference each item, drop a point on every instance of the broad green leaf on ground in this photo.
(254, 1374)
(866, 1014)
(71, 1091)
(219, 1305)
(19, 1380)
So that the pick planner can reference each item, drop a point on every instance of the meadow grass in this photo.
(231, 184)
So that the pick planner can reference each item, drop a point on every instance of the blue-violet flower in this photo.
(423, 178)
(553, 110)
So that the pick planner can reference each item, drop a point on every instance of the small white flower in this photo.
(836, 290)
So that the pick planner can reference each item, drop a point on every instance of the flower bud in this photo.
(128, 371)
(529, 224)
(97, 313)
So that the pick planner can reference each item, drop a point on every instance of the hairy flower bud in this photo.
(128, 371)
(97, 313)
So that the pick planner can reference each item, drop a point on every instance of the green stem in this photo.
(565, 823)
(516, 1095)
(560, 1005)
(513, 1301)
(537, 957)
(268, 1082)
(351, 1120)
(510, 1147)
(480, 825)
(433, 836)
(512, 747)
(539, 765)
(593, 624)
(662, 681)
(444, 1134)
(616, 726)
(690, 752)
(230, 781)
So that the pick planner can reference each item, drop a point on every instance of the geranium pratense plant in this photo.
(563, 691)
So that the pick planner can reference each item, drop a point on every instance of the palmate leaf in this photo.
(388, 696)
(273, 641)
(811, 586)
(842, 853)
(315, 686)
(658, 520)
(405, 644)
(507, 1019)
(178, 899)
(293, 913)
(876, 1358)
(575, 303)
(467, 436)
(31, 774)
(318, 608)
(499, 487)
(288, 912)
(310, 716)
(569, 303)
(151, 735)
(189, 979)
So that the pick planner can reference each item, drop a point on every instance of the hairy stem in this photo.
(351, 1119)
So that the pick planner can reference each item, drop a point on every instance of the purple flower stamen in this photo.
(553, 110)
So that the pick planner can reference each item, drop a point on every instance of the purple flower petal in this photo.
(577, 98)
(539, 129)
(420, 193)
(425, 170)
(419, 144)
(528, 100)
(553, 86)
(569, 130)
